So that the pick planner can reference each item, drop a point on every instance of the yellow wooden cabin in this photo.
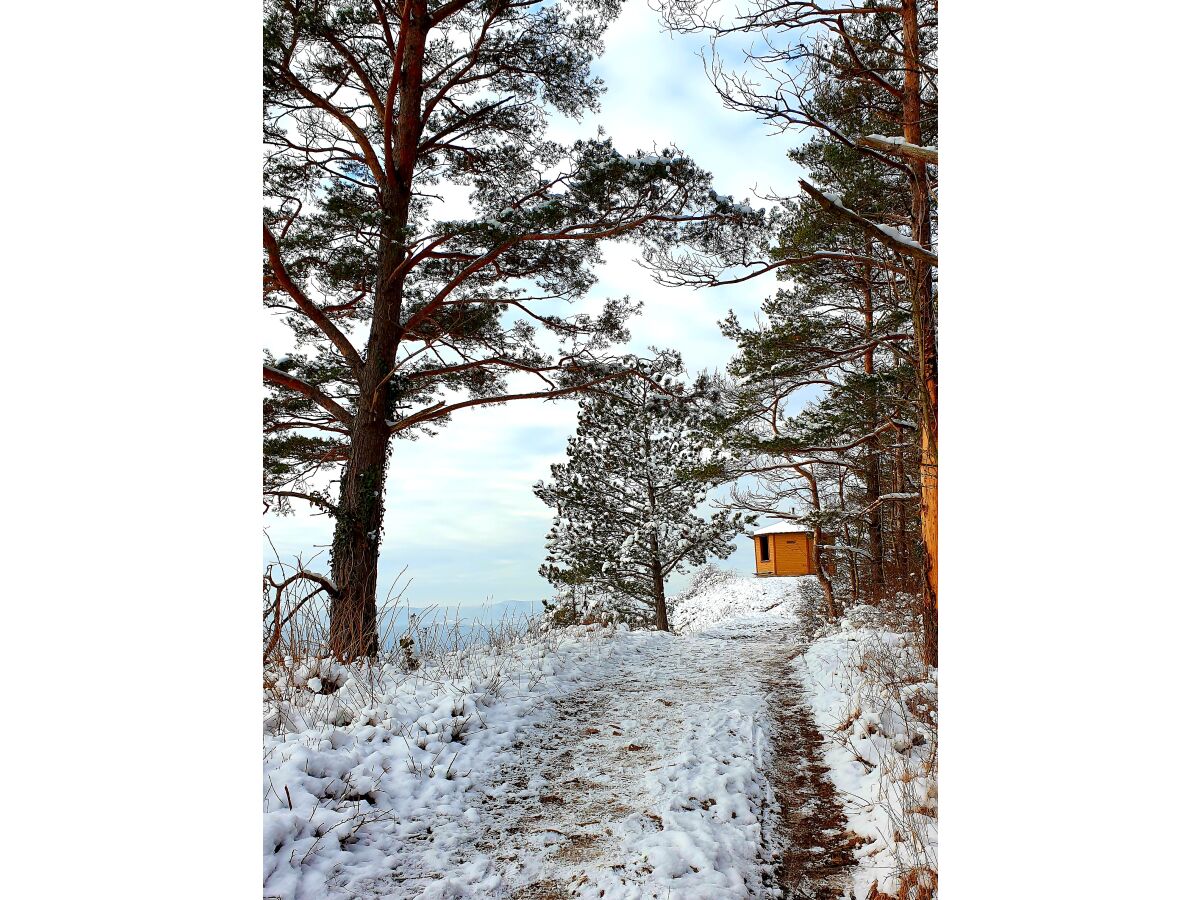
(783, 549)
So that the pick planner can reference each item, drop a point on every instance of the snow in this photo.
(652, 159)
(897, 235)
(897, 141)
(894, 234)
(741, 209)
(590, 761)
(717, 595)
(882, 756)
(439, 790)
(672, 784)
(361, 772)
(782, 528)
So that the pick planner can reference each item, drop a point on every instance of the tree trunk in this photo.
(903, 565)
(924, 330)
(660, 592)
(355, 563)
(822, 575)
(874, 448)
(818, 543)
(874, 522)
(852, 567)
(359, 528)
(656, 568)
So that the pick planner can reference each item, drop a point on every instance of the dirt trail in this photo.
(815, 849)
(811, 846)
(589, 767)
(653, 778)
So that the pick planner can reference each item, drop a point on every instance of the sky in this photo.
(462, 526)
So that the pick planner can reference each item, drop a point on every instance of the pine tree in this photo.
(854, 73)
(840, 330)
(625, 501)
(405, 309)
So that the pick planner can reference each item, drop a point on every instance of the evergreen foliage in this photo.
(626, 499)
(824, 380)
(425, 241)
(832, 401)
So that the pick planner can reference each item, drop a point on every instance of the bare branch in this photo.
(315, 499)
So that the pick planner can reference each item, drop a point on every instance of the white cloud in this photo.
(657, 91)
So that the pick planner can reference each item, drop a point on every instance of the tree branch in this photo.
(307, 307)
(440, 410)
(313, 393)
(900, 147)
(314, 499)
(894, 239)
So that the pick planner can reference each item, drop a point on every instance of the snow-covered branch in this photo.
(832, 203)
(900, 147)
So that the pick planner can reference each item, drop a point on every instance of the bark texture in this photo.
(359, 528)
(925, 330)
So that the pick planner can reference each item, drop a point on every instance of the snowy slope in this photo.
(716, 595)
(367, 768)
(605, 762)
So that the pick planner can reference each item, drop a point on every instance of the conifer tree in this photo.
(423, 239)
(625, 501)
(840, 330)
(862, 76)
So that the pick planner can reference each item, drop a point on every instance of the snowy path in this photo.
(652, 777)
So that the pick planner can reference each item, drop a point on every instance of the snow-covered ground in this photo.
(872, 696)
(369, 762)
(716, 595)
(590, 762)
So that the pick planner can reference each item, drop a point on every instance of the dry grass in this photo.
(895, 705)
(305, 688)
(434, 654)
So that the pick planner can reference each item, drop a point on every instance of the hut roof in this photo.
(782, 528)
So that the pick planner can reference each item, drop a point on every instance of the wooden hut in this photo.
(784, 549)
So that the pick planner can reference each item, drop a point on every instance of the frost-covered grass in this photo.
(877, 702)
(446, 781)
(359, 759)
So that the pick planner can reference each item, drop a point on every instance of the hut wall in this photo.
(792, 554)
